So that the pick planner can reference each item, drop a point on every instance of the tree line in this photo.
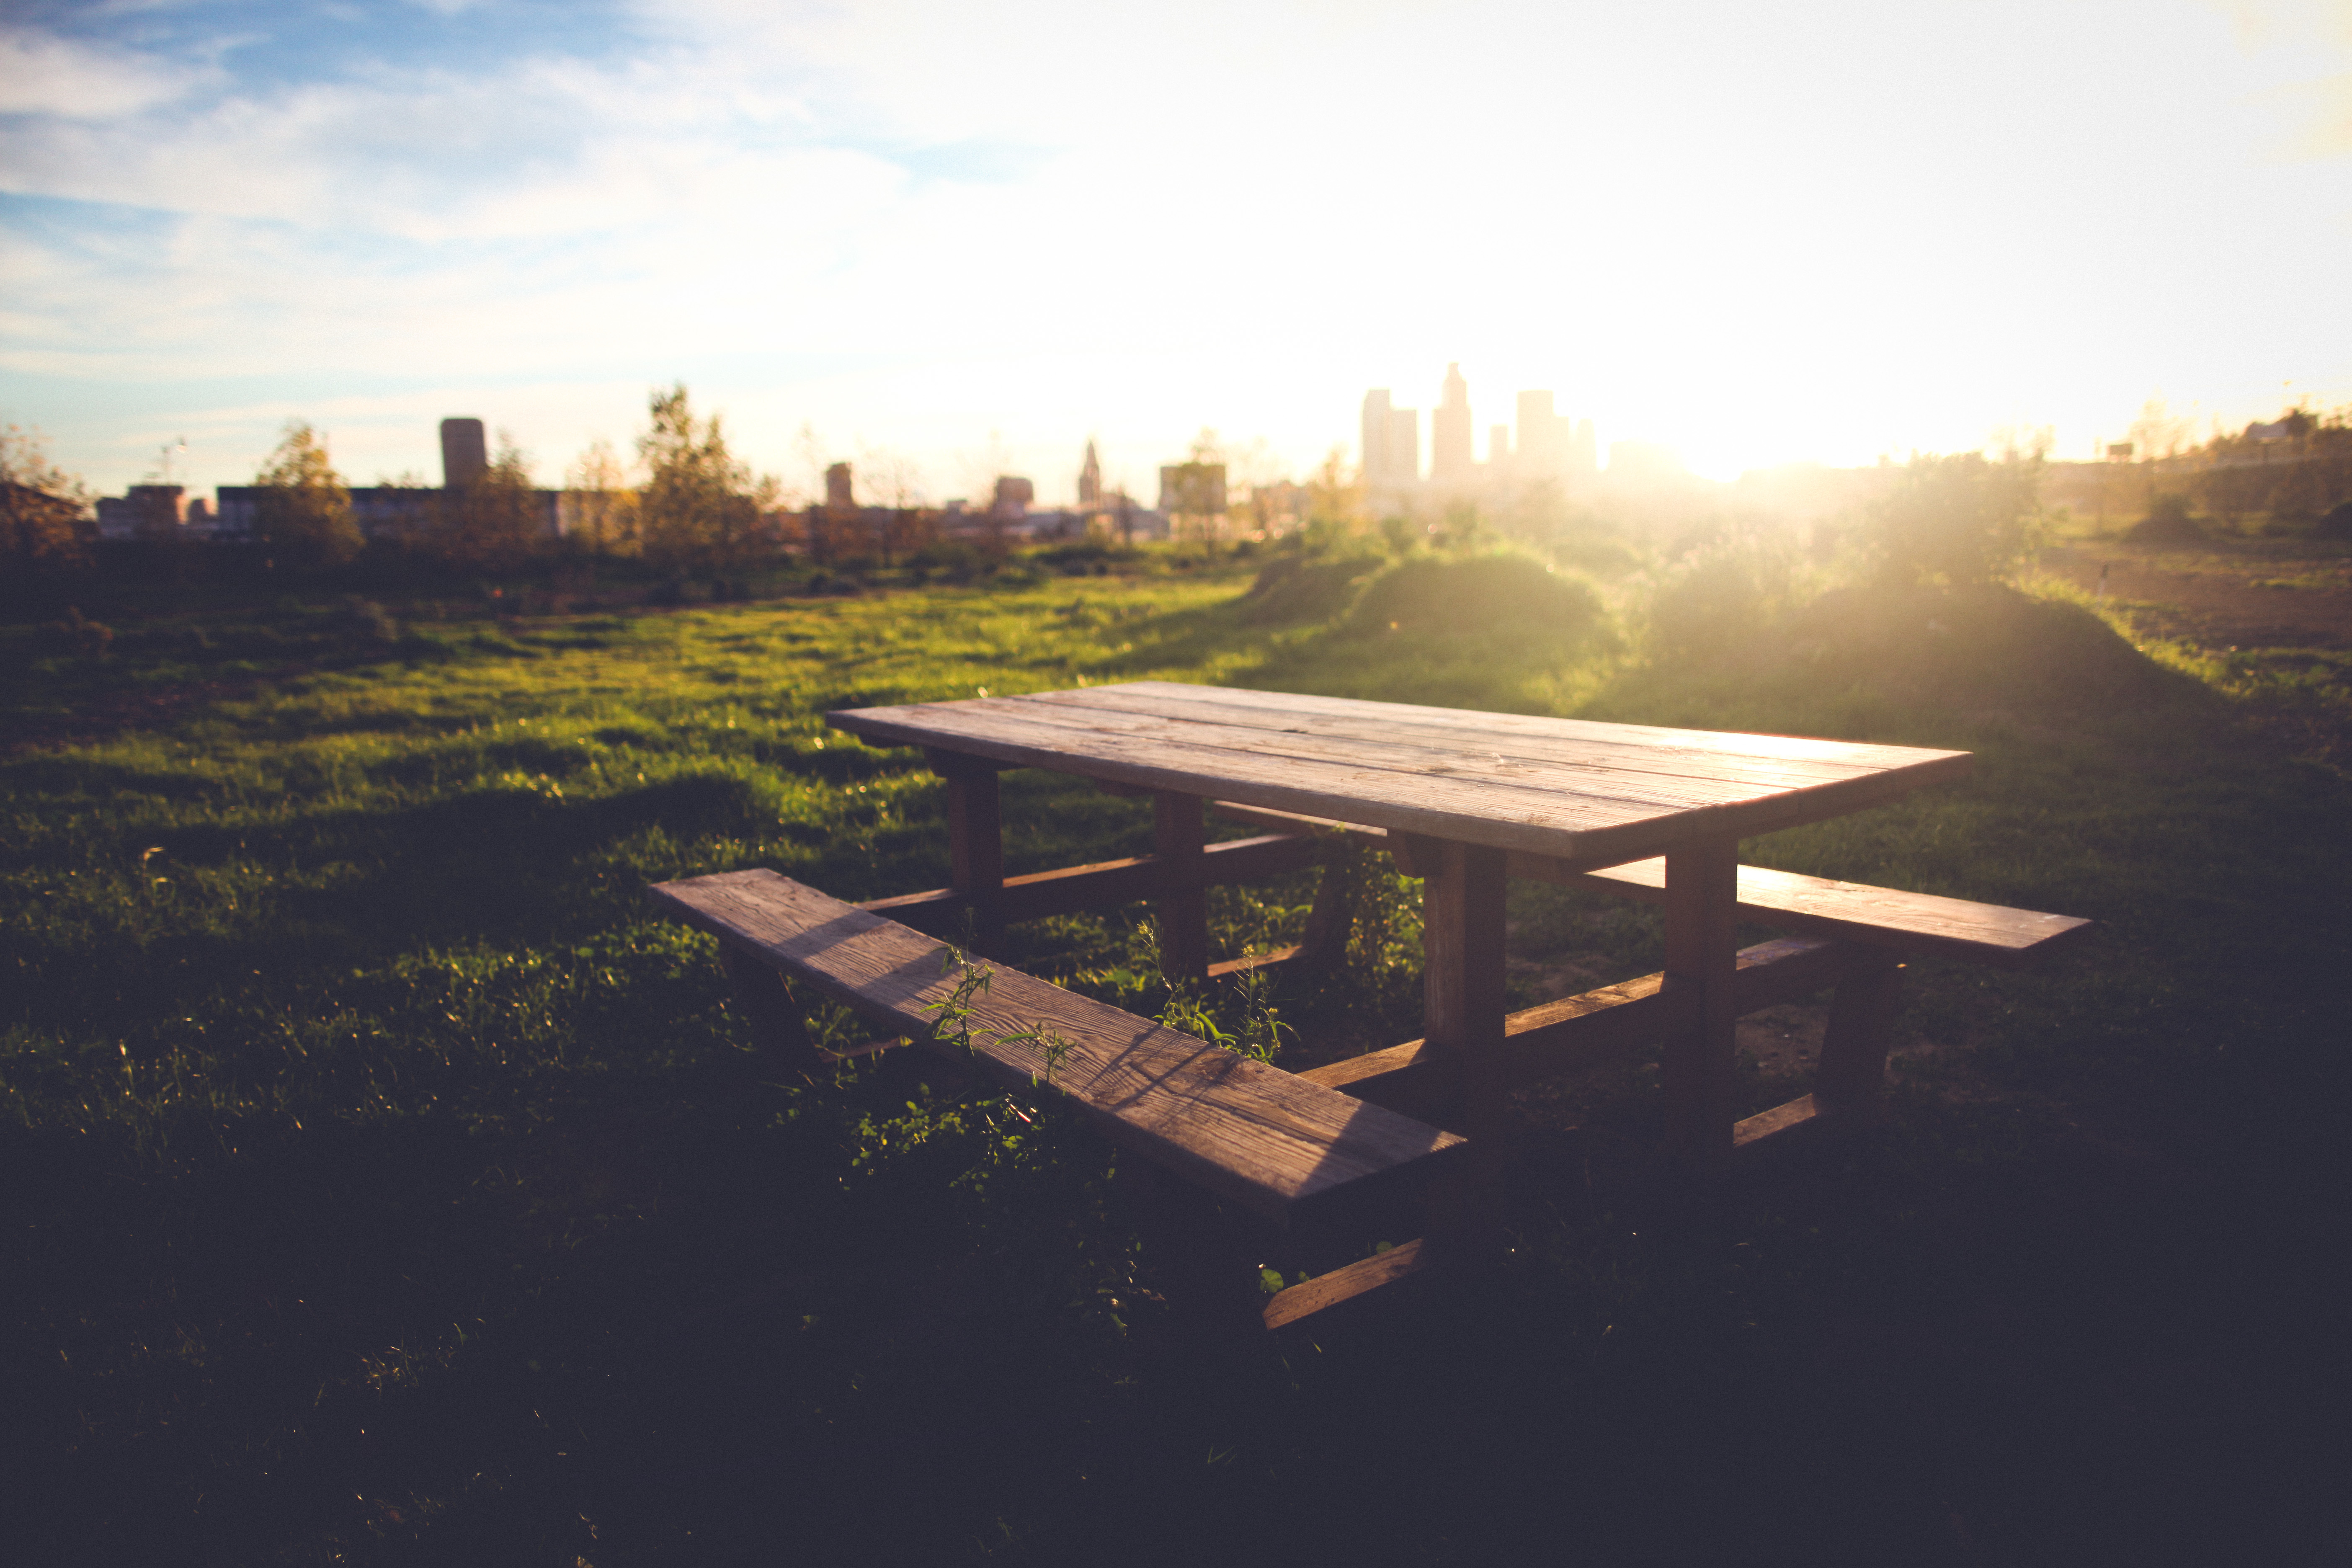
(697, 508)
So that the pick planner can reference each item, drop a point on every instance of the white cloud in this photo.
(43, 74)
(1756, 232)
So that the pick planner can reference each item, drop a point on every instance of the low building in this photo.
(147, 512)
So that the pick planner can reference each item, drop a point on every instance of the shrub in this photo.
(367, 622)
(1719, 598)
(1957, 519)
(73, 633)
(2168, 521)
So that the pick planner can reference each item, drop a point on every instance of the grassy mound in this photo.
(1478, 594)
(1978, 650)
(1293, 589)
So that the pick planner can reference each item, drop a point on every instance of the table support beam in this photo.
(1180, 834)
(975, 844)
(1701, 900)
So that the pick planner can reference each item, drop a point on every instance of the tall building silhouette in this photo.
(1090, 480)
(465, 453)
(1451, 457)
(1549, 446)
(1392, 443)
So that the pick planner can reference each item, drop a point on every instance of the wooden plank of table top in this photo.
(1585, 746)
(1734, 743)
(1544, 819)
(1545, 810)
(1244, 1131)
(1653, 778)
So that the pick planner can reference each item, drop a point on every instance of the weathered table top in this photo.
(1580, 790)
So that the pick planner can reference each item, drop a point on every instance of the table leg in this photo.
(975, 845)
(1702, 896)
(1463, 1007)
(1179, 833)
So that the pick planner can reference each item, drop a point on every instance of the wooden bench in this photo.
(1272, 1143)
(1853, 938)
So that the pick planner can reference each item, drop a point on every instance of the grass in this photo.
(383, 1180)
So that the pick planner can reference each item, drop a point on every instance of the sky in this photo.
(947, 241)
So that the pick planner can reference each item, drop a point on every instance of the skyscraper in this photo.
(1451, 457)
(1392, 443)
(464, 454)
(1090, 480)
(1543, 437)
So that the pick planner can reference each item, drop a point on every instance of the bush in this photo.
(2168, 521)
(1957, 520)
(367, 622)
(1719, 598)
(73, 633)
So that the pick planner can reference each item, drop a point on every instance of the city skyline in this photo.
(1757, 236)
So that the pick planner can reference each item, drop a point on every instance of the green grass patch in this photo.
(380, 1178)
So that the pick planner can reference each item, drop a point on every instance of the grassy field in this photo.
(381, 1182)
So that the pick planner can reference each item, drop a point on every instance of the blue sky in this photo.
(947, 240)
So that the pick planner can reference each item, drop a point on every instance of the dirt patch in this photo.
(2218, 601)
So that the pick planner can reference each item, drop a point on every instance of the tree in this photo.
(1956, 520)
(1335, 494)
(495, 522)
(304, 511)
(43, 511)
(700, 507)
(604, 508)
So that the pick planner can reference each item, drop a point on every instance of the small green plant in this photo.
(953, 1013)
(951, 1023)
(1257, 1029)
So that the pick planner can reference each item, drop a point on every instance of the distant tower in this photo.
(464, 455)
(836, 489)
(1376, 436)
(1090, 480)
(1450, 437)
(1392, 442)
(1544, 436)
(1404, 446)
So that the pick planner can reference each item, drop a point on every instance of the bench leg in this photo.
(1700, 1066)
(1861, 1026)
(779, 1028)
(1331, 922)
(1179, 833)
(1201, 1260)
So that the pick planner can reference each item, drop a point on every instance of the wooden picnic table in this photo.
(1462, 796)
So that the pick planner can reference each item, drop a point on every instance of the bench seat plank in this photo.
(1243, 1130)
(1875, 917)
